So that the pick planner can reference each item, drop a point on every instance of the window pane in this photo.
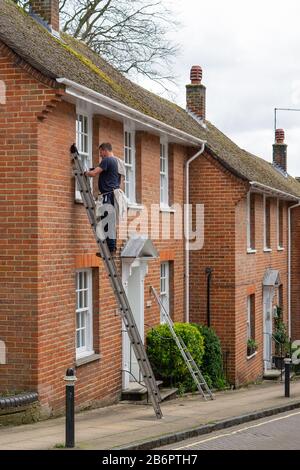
(85, 144)
(82, 338)
(129, 157)
(84, 317)
(85, 299)
(130, 165)
(81, 143)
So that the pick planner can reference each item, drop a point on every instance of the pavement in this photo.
(134, 426)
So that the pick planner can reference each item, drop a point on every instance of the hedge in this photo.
(165, 357)
(212, 364)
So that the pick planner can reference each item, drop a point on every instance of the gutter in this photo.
(290, 266)
(109, 104)
(273, 191)
(186, 232)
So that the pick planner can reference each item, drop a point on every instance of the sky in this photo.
(249, 52)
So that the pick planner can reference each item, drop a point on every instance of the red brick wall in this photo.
(236, 274)
(48, 10)
(64, 232)
(250, 269)
(26, 99)
(295, 282)
(148, 178)
(47, 237)
(219, 191)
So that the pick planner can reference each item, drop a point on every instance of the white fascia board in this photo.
(272, 191)
(104, 102)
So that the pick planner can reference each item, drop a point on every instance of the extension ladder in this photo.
(185, 353)
(125, 310)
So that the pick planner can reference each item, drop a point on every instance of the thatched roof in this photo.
(72, 59)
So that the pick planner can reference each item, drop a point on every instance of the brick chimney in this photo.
(195, 94)
(48, 10)
(280, 150)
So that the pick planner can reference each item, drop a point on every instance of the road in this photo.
(279, 432)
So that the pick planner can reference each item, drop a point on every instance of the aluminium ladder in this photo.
(185, 353)
(125, 310)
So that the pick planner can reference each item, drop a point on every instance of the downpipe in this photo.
(186, 232)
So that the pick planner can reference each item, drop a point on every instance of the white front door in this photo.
(133, 280)
(268, 294)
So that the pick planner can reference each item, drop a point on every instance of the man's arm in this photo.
(94, 172)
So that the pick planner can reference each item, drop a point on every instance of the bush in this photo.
(165, 357)
(212, 364)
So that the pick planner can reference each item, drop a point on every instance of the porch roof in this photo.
(139, 247)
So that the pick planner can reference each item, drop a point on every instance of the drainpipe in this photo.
(187, 224)
(289, 266)
(208, 271)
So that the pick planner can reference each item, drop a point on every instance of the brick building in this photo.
(57, 308)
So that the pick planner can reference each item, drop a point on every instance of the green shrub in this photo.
(165, 356)
(212, 363)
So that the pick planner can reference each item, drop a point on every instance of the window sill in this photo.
(78, 201)
(267, 250)
(250, 251)
(87, 359)
(280, 248)
(167, 209)
(135, 207)
(252, 355)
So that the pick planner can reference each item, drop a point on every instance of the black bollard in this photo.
(70, 379)
(287, 368)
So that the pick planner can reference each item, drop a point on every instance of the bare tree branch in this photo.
(131, 35)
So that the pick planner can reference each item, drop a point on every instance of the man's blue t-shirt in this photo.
(109, 178)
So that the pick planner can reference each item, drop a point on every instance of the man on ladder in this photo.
(110, 171)
(115, 279)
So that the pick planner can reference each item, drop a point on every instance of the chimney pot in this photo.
(196, 75)
(279, 136)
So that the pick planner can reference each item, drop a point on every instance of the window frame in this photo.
(265, 198)
(88, 349)
(89, 154)
(165, 294)
(130, 167)
(164, 174)
(250, 242)
(250, 312)
(280, 218)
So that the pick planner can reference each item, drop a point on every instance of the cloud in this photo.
(249, 52)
